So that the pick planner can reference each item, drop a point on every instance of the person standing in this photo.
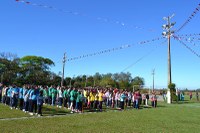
(40, 101)
(154, 100)
(60, 96)
(197, 95)
(73, 100)
(100, 96)
(53, 94)
(1, 88)
(122, 100)
(21, 100)
(191, 95)
(147, 99)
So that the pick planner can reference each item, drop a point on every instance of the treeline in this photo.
(36, 70)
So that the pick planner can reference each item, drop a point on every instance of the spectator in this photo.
(1, 88)
(197, 95)
(40, 101)
(190, 95)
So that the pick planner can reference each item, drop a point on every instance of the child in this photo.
(40, 101)
(154, 100)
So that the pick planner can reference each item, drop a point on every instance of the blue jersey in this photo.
(40, 100)
(9, 92)
(21, 93)
(30, 92)
(122, 97)
(15, 92)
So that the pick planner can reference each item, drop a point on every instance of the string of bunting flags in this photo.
(184, 44)
(195, 34)
(112, 49)
(190, 17)
(107, 20)
(190, 38)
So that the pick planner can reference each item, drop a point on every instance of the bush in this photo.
(172, 88)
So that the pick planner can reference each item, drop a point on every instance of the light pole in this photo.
(168, 33)
(153, 73)
(85, 81)
(64, 60)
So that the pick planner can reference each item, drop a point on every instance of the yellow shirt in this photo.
(100, 96)
(91, 96)
(96, 97)
(85, 93)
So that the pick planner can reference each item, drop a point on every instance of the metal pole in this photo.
(169, 55)
(153, 73)
(70, 83)
(94, 83)
(64, 60)
(86, 82)
(2, 78)
(168, 34)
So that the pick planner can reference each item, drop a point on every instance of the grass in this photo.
(166, 118)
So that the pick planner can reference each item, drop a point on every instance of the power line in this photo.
(189, 48)
(190, 18)
(140, 59)
(137, 61)
(102, 19)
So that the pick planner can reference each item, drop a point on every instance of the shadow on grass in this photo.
(53, 110)
(185, 102)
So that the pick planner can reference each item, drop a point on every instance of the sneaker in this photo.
(31, 113)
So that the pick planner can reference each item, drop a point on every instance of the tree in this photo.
(97, 78)
(122, 79)
(137, 82)
(9, 68)
(35, 69)
(107, 81)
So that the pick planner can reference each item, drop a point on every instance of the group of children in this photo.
(31, 98)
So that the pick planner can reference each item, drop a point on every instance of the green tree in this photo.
(137, 82)
(9, 68)
(107, 81)
(35, 69)
(97, 78)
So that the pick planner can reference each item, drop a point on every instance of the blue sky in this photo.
(26, 29)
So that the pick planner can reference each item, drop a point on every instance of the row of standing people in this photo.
(31, 98)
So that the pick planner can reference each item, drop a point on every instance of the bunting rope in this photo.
(184, 44)
(141, 58)
(107, 20)
(189, 39)
(190, 17)
(188, 35)
(112, 49)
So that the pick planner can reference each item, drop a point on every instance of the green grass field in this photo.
(182, 117)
